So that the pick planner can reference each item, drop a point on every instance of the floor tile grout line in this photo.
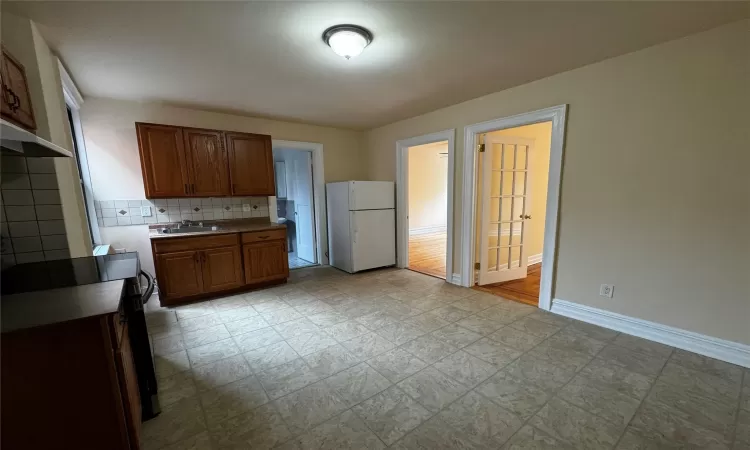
(738, 410)
(643, 401)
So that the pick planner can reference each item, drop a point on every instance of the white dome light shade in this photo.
(347, 40)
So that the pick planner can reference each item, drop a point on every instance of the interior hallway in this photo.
(427, 253)
(524, 290)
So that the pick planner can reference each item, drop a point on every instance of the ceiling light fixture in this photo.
(347, 40)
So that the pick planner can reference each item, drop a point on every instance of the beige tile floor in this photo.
(392, 358)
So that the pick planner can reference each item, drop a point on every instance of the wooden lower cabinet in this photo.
(180, 274)
(187, 268)
(129, 386)
(70, 385)
(265, 261)
(222, 269)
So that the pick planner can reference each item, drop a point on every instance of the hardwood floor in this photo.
(524, 290)
(427, 253)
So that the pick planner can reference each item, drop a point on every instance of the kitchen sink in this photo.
(187, 229)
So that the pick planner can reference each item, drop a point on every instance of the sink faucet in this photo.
(187, 223)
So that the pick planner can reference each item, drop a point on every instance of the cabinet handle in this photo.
(193, 188)
(263, 237)
(186, 189)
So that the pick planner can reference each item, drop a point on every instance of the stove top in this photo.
(69, 272)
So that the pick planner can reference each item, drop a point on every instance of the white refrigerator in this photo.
(361, 224)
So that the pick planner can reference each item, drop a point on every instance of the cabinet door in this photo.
(20, 109)
(208, 162)
(128, 379)
(179, 274)
(163, 160)
(265, 261)
(222, 268)
(250, 164)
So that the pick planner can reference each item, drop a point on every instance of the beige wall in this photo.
(655, 196)
(112, 149)
(428, 185)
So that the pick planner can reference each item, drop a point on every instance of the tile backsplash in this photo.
(114, 213)
(32, 228)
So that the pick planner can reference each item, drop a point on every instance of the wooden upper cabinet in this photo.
(207, 158)
(222, 269)
(250, 164)
(163, 160)
(179, 274)
(16, 100)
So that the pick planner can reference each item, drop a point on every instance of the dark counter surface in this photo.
(229, 226)
(37, 308)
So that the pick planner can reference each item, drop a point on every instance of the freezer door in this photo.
(373, 238)
(371, 195)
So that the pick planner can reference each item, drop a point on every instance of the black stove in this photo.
(69, 272)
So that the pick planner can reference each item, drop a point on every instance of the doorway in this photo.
(497, 220)
(425, 204)
(297, 204)
(511, 181)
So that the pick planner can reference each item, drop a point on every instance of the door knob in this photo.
(524, 216)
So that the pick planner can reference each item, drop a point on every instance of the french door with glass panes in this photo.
(505, 209)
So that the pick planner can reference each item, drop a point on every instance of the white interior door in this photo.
(303, 207)
(505, 209)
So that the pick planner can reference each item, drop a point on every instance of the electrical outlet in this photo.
(606, 290)
(246, 207)
(146, 211)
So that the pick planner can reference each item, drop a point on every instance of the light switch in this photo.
(146, 211)
(246, 207)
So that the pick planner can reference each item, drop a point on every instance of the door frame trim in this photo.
(556, 115)
(321, 227)
(402, 198)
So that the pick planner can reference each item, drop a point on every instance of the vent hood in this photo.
(19, 142)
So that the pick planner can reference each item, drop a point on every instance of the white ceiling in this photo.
(268, 59)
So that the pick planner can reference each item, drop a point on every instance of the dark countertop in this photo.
(225, 227)
(38, 308)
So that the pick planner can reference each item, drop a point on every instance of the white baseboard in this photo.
(732, 352)
(428, 230)
(535, 259)
(455, 279)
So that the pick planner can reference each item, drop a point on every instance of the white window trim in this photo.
(74, 100)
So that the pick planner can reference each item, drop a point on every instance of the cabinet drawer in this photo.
(263, 236)
(195, 243)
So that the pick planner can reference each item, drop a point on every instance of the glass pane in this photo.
(507, 188)
(497, 156)
(503, 259)
(508, 157)
(495, 183)
(492, 260)
(521, 157)
(515, 232)
(505, 213)
(518, 203)
(515, 257)
(495, 209)
(520, 183)
(492, 234)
